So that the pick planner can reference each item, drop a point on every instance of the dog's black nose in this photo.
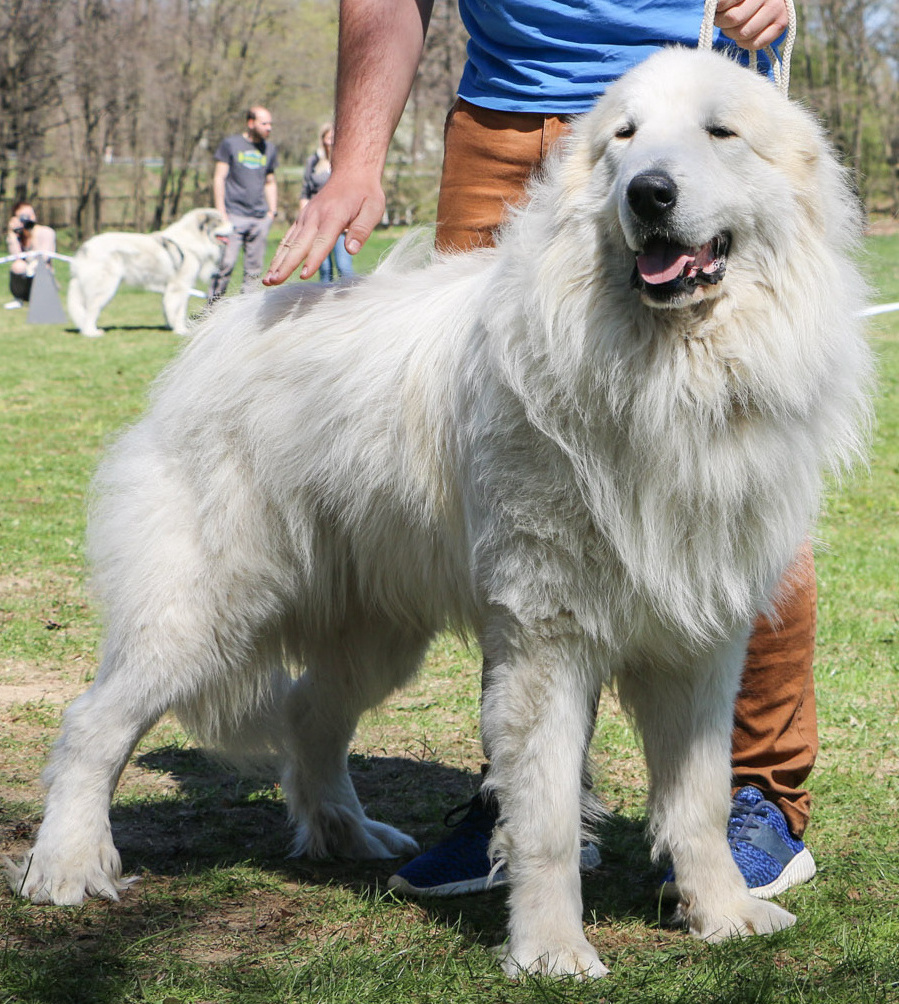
(651, 195)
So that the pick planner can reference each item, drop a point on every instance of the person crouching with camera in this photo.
(24, 234)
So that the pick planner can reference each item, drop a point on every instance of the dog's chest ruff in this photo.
(650, 499)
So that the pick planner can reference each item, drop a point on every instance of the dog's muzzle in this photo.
(666, 269)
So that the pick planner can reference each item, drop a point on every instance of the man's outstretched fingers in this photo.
(348, 204)
(371, 212)
(305, 242)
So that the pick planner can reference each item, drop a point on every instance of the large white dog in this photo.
(170, 261)
(597, 446)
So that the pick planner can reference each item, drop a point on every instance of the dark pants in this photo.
(251, 234)
(20, 286)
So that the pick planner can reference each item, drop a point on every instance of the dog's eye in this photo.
(626, 131)
(720, 132)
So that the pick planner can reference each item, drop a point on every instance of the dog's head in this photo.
(213, 224)
(701, 169)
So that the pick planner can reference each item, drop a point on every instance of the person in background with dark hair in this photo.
(245, 192)
(24, 234)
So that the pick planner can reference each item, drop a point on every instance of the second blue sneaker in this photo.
(460, 864)
(769, 857)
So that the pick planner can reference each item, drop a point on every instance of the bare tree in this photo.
(849, 77)
(29, 90)
(224, 56)
(93, 63)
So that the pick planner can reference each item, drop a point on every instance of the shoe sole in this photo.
(798, 870)
(590, 860)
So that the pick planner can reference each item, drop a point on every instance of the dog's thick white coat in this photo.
(170, 262)
(515, 442)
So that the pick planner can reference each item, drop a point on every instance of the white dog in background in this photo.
(598, 446)
(170, 261)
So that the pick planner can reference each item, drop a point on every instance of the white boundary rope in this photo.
(34, 254)
(64, 257)
(882, 308)
(780, 62)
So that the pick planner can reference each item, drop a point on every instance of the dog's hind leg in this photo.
(95, 294)
(537, 720)
(74, 855)
(347, 673)
(75, 298)
(167, 647)
(685, 715)
(180, 626)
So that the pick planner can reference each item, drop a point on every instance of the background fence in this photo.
(124, 212)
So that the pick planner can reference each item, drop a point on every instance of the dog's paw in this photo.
(93, 333)
(394, 841)
(741, 919)
(338, 831)
(578, 960)
(48, 878)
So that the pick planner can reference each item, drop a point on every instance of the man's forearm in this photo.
(379, 50)
(271, 195)
(218, 188)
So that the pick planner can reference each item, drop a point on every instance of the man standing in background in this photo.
(245, 192)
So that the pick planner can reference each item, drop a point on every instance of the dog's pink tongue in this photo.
(662, 262)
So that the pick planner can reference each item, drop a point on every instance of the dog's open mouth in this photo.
(665, 271)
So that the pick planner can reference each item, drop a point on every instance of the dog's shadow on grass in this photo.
(214, 816)
(113, 329)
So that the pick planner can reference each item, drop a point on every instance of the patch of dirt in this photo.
(47, 691)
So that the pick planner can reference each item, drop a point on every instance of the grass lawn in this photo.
(220, 915)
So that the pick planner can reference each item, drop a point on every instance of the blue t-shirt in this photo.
(557, 56)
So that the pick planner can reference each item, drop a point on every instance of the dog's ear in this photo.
(209, 219)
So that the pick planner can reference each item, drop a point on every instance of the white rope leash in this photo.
(780, 62)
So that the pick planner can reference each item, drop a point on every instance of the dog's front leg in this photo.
(175, 302)
(685, 715)
(537, 719)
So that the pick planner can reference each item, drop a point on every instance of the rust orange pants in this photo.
(488, 158)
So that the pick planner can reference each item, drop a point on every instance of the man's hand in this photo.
(344, 204)
(752, 24)
(379, 47)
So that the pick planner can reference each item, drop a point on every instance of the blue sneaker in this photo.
(460, 864)
(769, 857)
